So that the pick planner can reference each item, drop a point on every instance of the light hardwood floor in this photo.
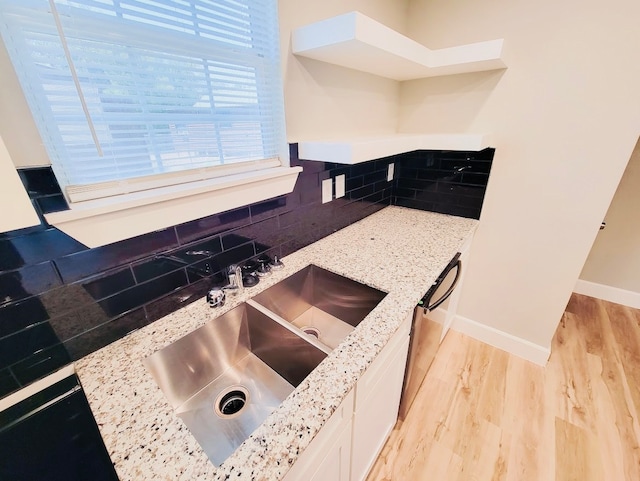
(484, 415)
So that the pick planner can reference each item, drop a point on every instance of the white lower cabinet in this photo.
(350, 441)
(377, 400)
(335, 465)
(328, 456)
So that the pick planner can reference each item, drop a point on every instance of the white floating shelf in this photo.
(359, 150)
(356, 41)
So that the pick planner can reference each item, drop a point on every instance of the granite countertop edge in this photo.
(398, 250)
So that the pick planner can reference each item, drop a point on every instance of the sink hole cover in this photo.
(311, 331)
(231, 401)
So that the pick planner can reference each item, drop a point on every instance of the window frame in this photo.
(190, 196)
(76, 194)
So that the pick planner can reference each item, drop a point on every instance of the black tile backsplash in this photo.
(446, 182)
(273, 207)
(180, 298)
(93, 261)
(39, 181)
(214, 224)
(8, 383)
(94, 339)
(219, 262)
(147, 270)
(38, 247)
(109, 283)
(309, 190)
(75, 322)
(33, 339)
(19, 315)
(27, 281)
(143, 293)
(51, 203)
(41, 363)
(43, 189)
(60, 300)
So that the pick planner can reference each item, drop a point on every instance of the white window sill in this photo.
(104, 221)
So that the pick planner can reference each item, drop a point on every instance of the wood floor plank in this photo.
(625, 325)
(615, 365)
(477, 403)
(481, 453)
(500, 467)
(485, 415)
(442, 463)
(568, 376)
(589, 313)
(463, 410)
(576, 454)
(528, 418)
(610, 444)
(491, 396)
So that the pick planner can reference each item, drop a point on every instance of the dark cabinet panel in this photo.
(52, 436)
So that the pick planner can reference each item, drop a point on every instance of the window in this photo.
(130, 95)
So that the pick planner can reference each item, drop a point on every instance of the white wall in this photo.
(323, 101)
(16, 123)
(614, 259)
(18, 212)
(565, 117)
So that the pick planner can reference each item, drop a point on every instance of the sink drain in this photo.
(312, 331)
(231, 401)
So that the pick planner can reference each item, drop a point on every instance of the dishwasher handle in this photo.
(451, 288)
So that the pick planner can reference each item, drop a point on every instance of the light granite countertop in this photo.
(397, 250)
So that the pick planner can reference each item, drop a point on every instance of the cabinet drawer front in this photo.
(369, 379)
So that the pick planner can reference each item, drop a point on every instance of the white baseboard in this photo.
(608, 293)
(502, 340)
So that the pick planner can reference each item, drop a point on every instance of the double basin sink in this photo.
(226, 377)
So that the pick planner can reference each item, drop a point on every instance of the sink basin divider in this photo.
(327, 350)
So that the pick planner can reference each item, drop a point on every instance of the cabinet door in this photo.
(327, 457)
(376, 415)
(335, 465)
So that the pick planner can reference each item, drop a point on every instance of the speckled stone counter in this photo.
(398, 250)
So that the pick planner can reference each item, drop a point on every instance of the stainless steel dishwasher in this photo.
(426, 334)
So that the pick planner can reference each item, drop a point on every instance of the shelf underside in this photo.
(356, 41)
(355, 151)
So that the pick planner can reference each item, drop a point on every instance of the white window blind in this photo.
(189, 86)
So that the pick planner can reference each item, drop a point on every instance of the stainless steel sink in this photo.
(226, 377)
(323, 305)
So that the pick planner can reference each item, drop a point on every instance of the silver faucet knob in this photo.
(216, 297)
(235, 279)
(276, 263)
